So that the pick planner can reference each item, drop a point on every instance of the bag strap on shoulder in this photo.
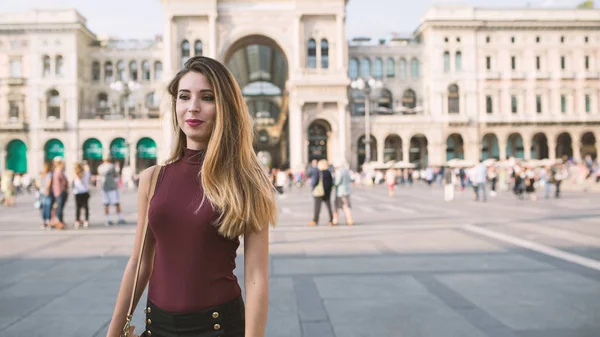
(150, 194)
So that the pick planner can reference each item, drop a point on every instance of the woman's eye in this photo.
(208, 98)
(184, 97)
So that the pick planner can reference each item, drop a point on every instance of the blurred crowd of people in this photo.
(52, 188)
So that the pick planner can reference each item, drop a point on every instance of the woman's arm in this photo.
(122, 305)
(256, 281)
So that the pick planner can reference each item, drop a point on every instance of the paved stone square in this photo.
(413, 265)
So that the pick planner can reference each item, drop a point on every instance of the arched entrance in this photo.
(53, 148)
(119, 151)
(145, 154)
(588, 145)
(539, 146)
(418, 152)
(489, 147)
(564, 146)
(514, 146)
(92, 153)
(362, 153)
(16, 156)
(261, 69)
(318, 140)
(455, 147)
(392, 148)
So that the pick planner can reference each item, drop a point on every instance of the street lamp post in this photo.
(126, 89)
(366, 88)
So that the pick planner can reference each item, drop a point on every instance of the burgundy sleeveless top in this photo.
(193, 265)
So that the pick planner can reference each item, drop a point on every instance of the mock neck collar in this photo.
(194, 157)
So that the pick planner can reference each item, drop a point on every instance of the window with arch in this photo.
(414, 68)
(108, 71)
(59, 65)
(403, 72)
(378, 68)
(102, 103)
(150, 100)
(121, 71)
(446, 61)
(198, 48)
(488, 104)
(46, 65)
(52, 105)
(365, 67)
(95, 71)
(133, 71)
(311, 55)
(458, 61)
(353, 68)
(145, 70)
(324, 54)
(409, 99)
(185, 51)
(385, 102)
(453, 99)
(391, 67)
(157, 70)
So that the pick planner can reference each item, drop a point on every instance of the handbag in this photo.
(319, 190)
(128, 329)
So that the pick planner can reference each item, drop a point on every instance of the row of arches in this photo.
(92, 151)
(186, 50)
(363, 69)
(126, 72)
(311, 55)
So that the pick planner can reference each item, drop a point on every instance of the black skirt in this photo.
(225, 320)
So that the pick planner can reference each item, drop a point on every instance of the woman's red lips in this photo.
(193, 122)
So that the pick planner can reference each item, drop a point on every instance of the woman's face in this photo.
(196, 109)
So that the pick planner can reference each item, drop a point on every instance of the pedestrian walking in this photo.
(322, 184)
(212, 190)
(8, 188)
(449, 182)
(81, 189)
(343, 188)
(46, 195)
(110, 191)
(60, 189)
(390, 180)
(480, 178)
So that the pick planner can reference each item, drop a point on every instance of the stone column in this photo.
(551, 141)
(296, 143)
(527, 147)
(576, 144)
(343, 134)
(340, 42)
(405, 150)
(212, 30)
(502, 142)
(297, 44)
(380, 148)
(169, 48)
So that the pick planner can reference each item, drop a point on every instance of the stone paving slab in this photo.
(394, 274)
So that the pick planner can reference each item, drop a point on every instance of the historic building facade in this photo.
(469, 83)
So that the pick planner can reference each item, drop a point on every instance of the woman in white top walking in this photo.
(81, 189)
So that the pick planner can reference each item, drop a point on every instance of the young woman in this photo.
(60, 189)
(212, 191)
(343, 187)
(46, 194)
(81, 189)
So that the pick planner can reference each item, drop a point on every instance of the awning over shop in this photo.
(118, 148)
(16, 156)
(54, 148)
(92, 149)
(146, 148)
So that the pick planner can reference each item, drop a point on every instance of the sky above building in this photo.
(365, 18)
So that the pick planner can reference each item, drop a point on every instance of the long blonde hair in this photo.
(233, 179)
(78, 168)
